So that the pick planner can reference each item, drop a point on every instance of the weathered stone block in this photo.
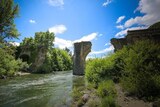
(81, 50)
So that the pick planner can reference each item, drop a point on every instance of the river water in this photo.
(39, 90)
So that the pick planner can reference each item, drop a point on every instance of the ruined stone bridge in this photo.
(81, 50)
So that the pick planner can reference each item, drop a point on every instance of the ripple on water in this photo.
(36, 90)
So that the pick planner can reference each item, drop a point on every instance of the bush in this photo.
(108, 101)
(142, 69)
(110, 67)
(106, 88)
(23, 66)
(93, 69)
(106, 91)
(8, 64)
(76, 94)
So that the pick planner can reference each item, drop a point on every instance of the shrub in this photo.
(106, 91)
(23, 66)
(93, 70)
(76, 94)
(106, 88)
(108, 101)
(110, 67)
(142, 69)
(8, 64)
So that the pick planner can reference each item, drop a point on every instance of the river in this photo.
(39, 90)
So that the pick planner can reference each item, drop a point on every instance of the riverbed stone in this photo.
(85, 97)
(81, 50)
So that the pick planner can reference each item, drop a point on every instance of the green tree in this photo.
(8, 64)
(8, 12)
(61, 60)
(44, 39)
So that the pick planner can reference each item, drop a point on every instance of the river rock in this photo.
(85, 97)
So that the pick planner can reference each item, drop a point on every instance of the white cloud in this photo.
(120, 27)
(107, 3)
(120, 19)
(56, 3)
(89, 37)
(150, 9)
(124, 32)
(14, 43)
(101, 53)
(58, 29)
(32, 21)
(109, 49)
(108, 44)
(62, 43)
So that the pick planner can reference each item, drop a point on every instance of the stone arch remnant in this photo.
(81, 50)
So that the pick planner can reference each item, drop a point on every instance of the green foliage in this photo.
(108, 101)
(106, 88)
(76, 94)
(41, 39)
(137, 66)
(142, 69)
(8, 64)
(8, 11)
(104, 68)
(44, 39)
(106, 91)
(23, 66)
(55, 59)
(94, 69)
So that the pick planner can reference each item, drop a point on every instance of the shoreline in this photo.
(15, 75)
(22, 73)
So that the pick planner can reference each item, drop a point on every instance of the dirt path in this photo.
(124, 101)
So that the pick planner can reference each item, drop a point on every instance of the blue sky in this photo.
(85, 20)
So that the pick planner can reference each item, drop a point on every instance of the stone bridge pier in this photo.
(81, 50)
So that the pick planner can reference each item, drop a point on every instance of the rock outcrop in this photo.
(81, 50)
(152, 33)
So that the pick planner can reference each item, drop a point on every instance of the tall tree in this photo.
(8, 11)
(45, 39)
